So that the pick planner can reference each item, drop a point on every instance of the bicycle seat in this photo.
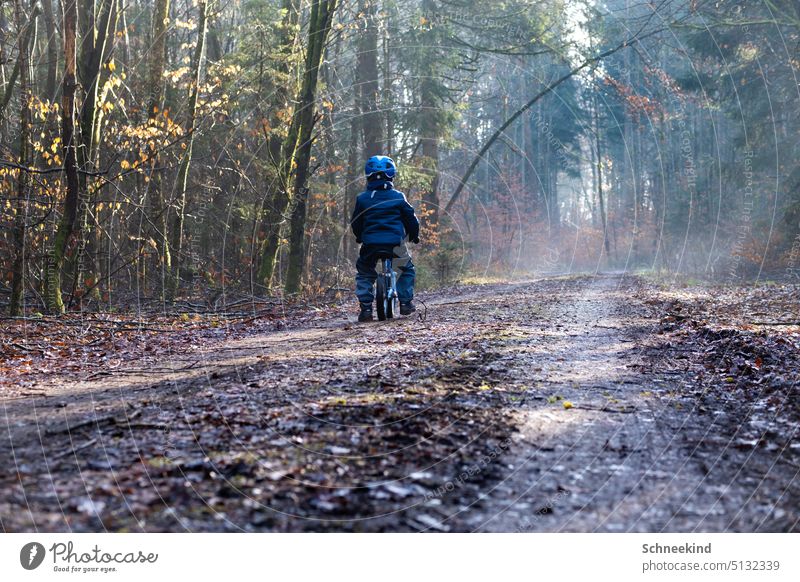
(384, 255)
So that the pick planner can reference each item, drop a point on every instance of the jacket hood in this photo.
(379, 185)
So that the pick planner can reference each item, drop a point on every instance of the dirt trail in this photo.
(622, 458)
(532, 406)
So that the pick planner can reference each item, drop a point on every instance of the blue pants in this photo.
(366, 275)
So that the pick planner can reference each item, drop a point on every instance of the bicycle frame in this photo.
(388, 300)
(392, 282)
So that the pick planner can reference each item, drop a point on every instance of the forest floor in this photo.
(580, 403)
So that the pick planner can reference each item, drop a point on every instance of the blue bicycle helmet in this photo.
(383, 164)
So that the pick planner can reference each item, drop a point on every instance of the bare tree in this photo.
(191, 125)
(69, 212)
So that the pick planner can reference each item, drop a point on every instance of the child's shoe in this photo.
(407, 308)
(366, 312)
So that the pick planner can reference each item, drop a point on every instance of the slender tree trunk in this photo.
(26, 35)
(126, 40)
(214, 45)
(51, 87)
(430, 101)
(100, 22)
(367, 78)
(600, 198)
(430, 148)
(527, 147)
(69, 213)
(191, 124)
(321, 16)
(23, 179)
(155, 105)
(387, 98)
(659, 191)
(351, 189)
(590, 197)
(2, 49)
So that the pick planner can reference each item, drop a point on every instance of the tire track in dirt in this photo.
(622, 458)
(92, 454)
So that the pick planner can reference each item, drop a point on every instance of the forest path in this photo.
(621, 458)
(459, 420)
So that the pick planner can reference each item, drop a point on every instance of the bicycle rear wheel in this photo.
(382, 298)
(391, 306)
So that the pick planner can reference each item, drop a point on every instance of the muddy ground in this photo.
(603, 403)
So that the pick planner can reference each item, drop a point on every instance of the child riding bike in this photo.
(383, 221)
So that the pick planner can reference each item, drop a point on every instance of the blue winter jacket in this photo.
(383, 216)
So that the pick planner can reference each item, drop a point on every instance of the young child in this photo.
(383, 220)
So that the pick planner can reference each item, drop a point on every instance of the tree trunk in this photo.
(351, 188)
(18, 268)
(281, 153)
(95, 47)
(25, 35)
(319, 26)
(386, 99)
(155, 104)
(191, 124)
(3, 57)
(600, 199)
(430, 149)
(431, 95)
(69, 213)
(100, 22)
(367, 78)
(51, 87)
